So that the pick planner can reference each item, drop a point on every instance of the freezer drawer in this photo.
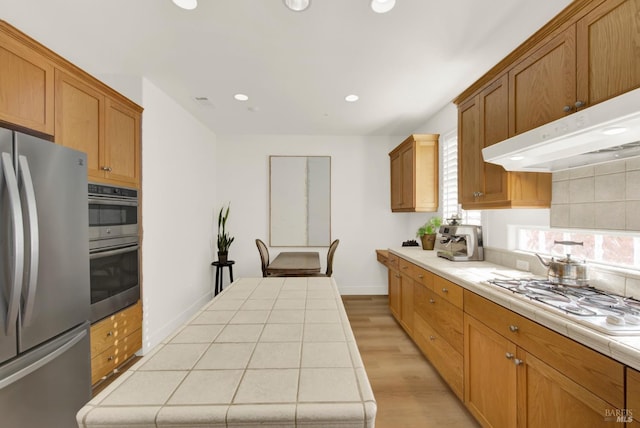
(48, 385)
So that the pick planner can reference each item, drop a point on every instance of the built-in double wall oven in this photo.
(114, 249)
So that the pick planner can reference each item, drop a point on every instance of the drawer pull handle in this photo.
(509, 355)
(518, 362)
(432, 338)
(397, 276)
(513, 328)
(109, 333)
(405, 267)
(579, 104)
(110, 358)
(420, 276)
(431, 301)
(444, 290)
(567, 108)
(106, 168)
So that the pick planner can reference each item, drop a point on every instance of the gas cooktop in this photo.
(603, 311)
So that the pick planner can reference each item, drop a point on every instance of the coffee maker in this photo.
(460, 242)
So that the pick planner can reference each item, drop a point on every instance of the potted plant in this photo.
(427, 232)
(224, 240)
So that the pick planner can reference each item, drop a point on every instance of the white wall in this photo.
(360, 202)
(178, 199)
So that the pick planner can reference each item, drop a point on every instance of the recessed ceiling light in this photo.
(186, 4)
(241, 97)
(351, 98)
(382, 6)
(297, 5)
(614, 130)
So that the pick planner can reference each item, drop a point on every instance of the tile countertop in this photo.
(472, 276)
(275, 351)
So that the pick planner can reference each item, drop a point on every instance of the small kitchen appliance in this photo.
(460, 242)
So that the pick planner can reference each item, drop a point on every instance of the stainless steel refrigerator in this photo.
(45, 368)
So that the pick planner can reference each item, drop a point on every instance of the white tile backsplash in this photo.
(605, 196)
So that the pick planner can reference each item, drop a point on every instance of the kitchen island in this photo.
(270, 351)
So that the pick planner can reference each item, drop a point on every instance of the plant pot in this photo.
(428, 241)
(222, 257)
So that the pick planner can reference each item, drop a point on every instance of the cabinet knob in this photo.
(420, 276)
(567, 108)
(513, 328)
(509, 356)
(432, 338)
(518, 362)
(106, 168)
(110, 358)
(477, 194)
(431, 301)
(109, 333)
(579, 104)
(445, 290)
(397, 276)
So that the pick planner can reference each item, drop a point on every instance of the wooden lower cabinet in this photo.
(114, 340)
(406, 303)
(437, 330)
(394, 292)
(632, 409)
(513, 378)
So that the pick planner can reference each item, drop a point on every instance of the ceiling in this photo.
(296, 67)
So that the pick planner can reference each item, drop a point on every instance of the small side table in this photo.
(220, 273)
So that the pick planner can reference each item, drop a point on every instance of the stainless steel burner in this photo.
(606, 312)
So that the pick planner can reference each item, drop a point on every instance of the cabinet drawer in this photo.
(106, 332)
(383, 256)
(441, 315)
(112, 357)
(449, 291)
(596, 372)
(444, 358)
(392, 262)
(417, 273)
(103, 364)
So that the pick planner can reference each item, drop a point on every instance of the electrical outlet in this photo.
(522, 265)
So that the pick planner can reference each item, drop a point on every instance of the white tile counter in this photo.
(470, 275)
(272, 351)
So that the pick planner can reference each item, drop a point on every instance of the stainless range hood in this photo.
(604, 132)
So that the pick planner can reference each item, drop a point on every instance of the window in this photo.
(449, 148)
(617, 249)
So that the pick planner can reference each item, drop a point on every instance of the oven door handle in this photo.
(117, 202)
(113, 252)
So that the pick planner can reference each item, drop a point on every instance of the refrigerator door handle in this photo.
(34, 238)
(13, 299)
(35, 365)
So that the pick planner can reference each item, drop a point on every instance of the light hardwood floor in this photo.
(408, 390)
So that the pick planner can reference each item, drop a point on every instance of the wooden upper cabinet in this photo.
(414, 174)
(79, 120)
(108, 131)
(26, 84)
(122, 144)
(543, 85)
(608, 51)
(483, 120)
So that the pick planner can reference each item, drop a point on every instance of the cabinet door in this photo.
(547, 398)
(407, 158)
(26, 86)
(543, 84)
(79, 115)
(494, 127)
(489, 375)
(608, 45)
(122, 143)
(396, 181)
(406, 303)
(470, 173)
(633, 396)
(394, 293)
